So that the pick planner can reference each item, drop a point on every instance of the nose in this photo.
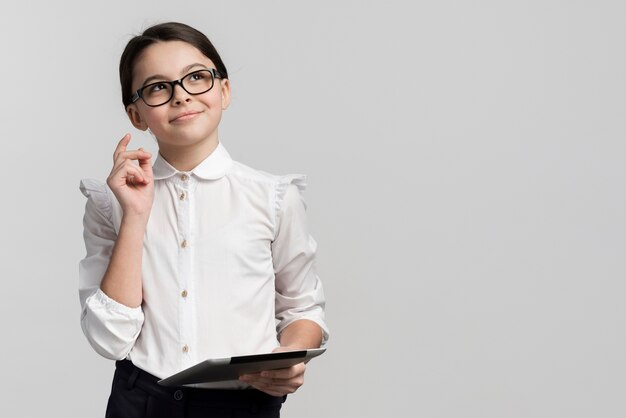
(180, 94)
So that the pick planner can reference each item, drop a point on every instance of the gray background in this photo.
(466, 166)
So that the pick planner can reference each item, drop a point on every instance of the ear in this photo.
(135, 117)
(225, 87)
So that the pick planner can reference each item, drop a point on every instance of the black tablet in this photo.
(230, 368)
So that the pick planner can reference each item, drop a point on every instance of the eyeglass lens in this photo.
(161, 92)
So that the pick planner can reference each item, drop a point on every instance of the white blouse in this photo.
(228, 263)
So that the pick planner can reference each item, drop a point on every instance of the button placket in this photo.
(184, 185)
(183, 188)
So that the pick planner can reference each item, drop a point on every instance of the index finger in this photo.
(121, 146)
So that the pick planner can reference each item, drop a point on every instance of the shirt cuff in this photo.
(105, 302)
(311, 317)
(111, 327)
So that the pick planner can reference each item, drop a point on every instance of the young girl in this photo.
(197, 256)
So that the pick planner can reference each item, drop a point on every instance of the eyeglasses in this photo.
(161, 92)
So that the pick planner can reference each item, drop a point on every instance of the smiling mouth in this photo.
(185, 116)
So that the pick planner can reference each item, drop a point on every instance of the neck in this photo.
(186, 158)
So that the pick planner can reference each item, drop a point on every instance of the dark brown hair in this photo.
(170, 31)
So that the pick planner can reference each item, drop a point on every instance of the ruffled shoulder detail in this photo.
(282, 185)
(96, 191)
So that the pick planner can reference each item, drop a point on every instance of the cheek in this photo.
(155, 116)
(214, 98)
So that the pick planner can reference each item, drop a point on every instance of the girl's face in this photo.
(186, 120)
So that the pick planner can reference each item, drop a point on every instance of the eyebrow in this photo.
(183, 71)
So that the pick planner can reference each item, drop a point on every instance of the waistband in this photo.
(135, 376)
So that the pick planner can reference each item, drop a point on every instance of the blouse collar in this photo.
(212, 167)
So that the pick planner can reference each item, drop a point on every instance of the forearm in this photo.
(301, 334)
(122, 280)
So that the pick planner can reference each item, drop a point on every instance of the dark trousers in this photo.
(136, 394)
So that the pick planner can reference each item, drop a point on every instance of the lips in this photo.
(185, 116)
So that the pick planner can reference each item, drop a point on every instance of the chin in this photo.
(189, 138)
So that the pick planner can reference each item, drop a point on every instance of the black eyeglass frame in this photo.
(139, 93)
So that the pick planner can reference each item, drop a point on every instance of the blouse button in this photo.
(184, 243)
(184, 293)
(184, 177)
(185, 348)
(182, 196)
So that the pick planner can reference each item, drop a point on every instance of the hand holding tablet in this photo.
(230, 368)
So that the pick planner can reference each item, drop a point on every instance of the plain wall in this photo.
(466, 165)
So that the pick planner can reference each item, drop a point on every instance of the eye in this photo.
(156, 87)
(197, 76)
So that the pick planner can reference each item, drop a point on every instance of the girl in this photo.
(197, 256)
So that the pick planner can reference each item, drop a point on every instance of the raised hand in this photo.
(132, 184)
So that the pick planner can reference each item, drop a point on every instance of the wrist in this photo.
(301, 334)
(134, 220)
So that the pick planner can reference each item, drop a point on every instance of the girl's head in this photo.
(170, 31)
(175, 61)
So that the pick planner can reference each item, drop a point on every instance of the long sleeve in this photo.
(110, 327)
(299, 292)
